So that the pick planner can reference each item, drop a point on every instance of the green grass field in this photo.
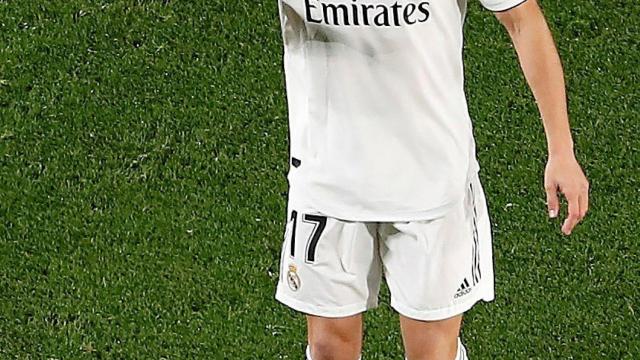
(143, 152)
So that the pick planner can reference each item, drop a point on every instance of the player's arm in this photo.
(543, 70)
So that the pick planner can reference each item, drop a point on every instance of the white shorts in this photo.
(435, 269)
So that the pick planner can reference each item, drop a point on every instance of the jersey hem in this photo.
(300, 201)
(506, 6)
(370, 217)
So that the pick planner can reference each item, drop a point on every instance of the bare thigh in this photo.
(335, 338)
(433, 340)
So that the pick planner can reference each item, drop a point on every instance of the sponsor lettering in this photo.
(359, 13)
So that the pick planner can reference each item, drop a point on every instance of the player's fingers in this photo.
(553, 204)
(584, 202)
(574, 213)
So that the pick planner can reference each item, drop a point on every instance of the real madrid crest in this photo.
(292, 278)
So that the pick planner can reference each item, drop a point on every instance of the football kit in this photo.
(383, 172)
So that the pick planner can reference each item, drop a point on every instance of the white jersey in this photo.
(378, 120)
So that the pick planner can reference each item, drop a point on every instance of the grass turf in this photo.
(143, 152)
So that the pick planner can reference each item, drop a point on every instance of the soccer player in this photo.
(383, 175)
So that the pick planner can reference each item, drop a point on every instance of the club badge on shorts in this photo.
(292, 278)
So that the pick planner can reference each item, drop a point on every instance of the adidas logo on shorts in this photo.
(463, 290)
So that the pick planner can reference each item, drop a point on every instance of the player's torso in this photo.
(375, 90)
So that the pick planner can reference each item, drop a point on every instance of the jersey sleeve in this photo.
(501, 5)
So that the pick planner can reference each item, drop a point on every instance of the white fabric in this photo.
(435, 269)
(462, 352)
(501, 5)
(378, 116)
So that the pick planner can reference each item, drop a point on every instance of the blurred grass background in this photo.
(143, 152)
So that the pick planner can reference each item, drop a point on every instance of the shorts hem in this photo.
(325, 311)
(442, 313)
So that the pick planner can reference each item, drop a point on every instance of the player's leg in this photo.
(330, 270)
(436, 270)
(433, 340)
(334, 338)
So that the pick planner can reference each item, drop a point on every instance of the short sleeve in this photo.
(501, 5)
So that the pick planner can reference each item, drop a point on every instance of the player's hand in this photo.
(563, 173)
